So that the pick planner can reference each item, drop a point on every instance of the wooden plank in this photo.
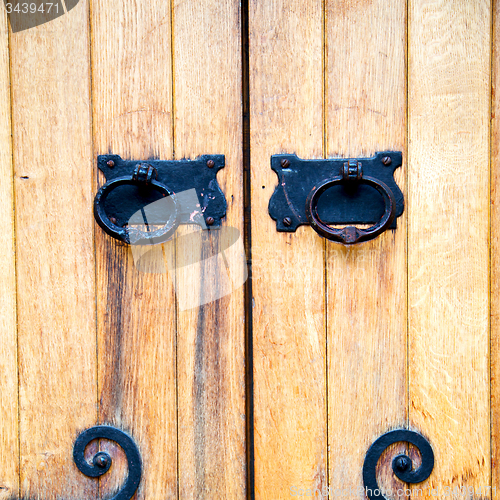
(286, 99)
(366, 283)
(132, 115)
(55, 251)
(210, 335)
(495, 250)
(448, 238)
(9, 457)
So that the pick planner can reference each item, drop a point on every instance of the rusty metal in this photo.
(350, 234)
(101, 459)
(352, 170)
(337, 191)
(210, 164)
(402, 464)
(144, 173)
(110, 163)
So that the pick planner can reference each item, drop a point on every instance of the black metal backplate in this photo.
(349, 203)
(179, 176)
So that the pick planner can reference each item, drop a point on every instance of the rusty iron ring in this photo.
(350, 234)
(128, 234)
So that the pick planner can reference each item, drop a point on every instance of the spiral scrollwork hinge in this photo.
(402, 464)
(101, 461)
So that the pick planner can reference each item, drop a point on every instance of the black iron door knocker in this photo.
(132, 186)
(323, 193)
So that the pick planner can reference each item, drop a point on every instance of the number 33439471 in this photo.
(32, 8)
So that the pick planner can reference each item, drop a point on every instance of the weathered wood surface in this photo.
(286, 98)
(211, 336)
(9, 449)
(348, 342)
(158, 363)
(366, 283)
(52, 147)
(132, 117)
(495, 250)
(448, 238)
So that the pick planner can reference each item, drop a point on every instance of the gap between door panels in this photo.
(247, 228)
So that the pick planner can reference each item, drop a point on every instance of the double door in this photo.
(278, 388)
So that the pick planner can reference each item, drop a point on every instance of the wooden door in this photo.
(277, 389)
(97, 340)
(352, 342)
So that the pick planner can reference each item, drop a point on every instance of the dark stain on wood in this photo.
(208, 377)
(116, 263)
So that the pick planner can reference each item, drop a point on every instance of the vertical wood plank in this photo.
(9, 455)
(132, 116)
(448, 240)
(366, 283)
(286, 99)
(55, 254)
(210, 337)
(495, 249)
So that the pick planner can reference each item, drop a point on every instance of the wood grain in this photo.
(495, 250)
(448, 238)
(366, 283)
(55, 253)
(286, 99)
(210, 337)
(132, 116)
(9, 456)
(348, 342)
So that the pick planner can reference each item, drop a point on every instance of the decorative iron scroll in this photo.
(402, 464)
(101, 461)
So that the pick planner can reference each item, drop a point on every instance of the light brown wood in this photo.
(132, 116)
(211, 337)
(286, 99)
(55, 251)
(495, 251)
(348, 342)
(448, 238)
(9, 449)
(367, 282)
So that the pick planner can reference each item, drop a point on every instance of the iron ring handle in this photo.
(350, 234)
(127, 234)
